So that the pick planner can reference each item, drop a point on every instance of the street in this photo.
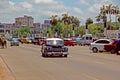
(26, 63)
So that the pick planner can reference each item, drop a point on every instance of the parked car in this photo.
(39, 40)
(54, 47)
(103, 45)
(87, 39)
(78, 40)
(69, 42)
(14, 41)
(26, 40)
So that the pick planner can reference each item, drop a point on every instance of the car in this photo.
(26, 40)
(38, 41)
(103, 45)
(87, 39)
(69, 42)
(14, 41)
(54, 47)
(78, 40)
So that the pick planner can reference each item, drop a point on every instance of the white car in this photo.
(99, 45)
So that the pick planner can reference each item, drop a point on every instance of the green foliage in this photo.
(22, 31)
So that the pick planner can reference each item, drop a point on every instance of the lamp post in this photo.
(105, 25)
(86, 28)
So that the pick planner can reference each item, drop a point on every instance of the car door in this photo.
(100, 44)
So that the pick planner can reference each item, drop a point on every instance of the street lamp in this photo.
(105, 25)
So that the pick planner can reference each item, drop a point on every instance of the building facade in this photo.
(6, 28)
(24, 21)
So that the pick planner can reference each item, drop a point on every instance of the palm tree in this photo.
(119, 19)
(53, 22)
(116, 12)
(66, 20)
(88, 21)
(98, 18)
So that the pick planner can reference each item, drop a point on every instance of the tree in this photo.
(119, 19)
(53, 20)
(98, 18)
(109, 10)
(22, 31)
(89, 21)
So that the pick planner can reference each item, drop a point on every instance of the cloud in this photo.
(11, 3)
(43, 9)
(43, 1)
(84, 2)
(27, 6)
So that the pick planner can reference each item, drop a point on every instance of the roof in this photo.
(53, 39)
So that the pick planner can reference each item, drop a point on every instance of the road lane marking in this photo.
(90, 77)
(99, 62)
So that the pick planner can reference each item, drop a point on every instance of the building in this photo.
(24, 21)
(36, 29)
(46, 24)
(6, 28)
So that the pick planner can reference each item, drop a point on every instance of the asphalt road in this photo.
(26, 63)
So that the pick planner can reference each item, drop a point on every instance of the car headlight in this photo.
(65, 49)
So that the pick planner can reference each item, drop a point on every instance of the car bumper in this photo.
(57, 53)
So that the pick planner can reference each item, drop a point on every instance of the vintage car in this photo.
(54, 47)
(39, 40)
(14, 41)
(26, 40)
(69, 42)
(78, 40)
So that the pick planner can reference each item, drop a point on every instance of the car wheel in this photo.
(112, 51)
(43, 55)
(100, 51)
(65, 55)
(118, 52)
(95, 50)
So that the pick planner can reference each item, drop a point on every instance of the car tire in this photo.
(112, 51)
(43, 55)
(65, 55)
(100, 51)
(118, 53)
(95, 50)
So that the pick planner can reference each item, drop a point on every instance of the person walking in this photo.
(118, 47)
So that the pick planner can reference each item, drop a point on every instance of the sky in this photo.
(41, 10)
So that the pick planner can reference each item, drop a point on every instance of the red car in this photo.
(39, 41)
(111, 47)
(69, 42)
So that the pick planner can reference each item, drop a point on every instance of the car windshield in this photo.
(54, 42)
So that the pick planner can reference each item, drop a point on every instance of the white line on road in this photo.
(90, 77)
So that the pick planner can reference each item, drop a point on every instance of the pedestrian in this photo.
(118, 47)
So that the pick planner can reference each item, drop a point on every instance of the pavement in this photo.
(5, 72)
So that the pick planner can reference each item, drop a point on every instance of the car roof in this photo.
(53, 39)
(103, 39)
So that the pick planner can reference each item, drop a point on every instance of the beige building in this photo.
(24, 21)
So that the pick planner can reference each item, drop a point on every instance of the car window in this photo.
(103, 41)
(87, 38)
(49, 42)
(90, 38)
(54, 42)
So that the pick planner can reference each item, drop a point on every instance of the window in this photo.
(103, 41)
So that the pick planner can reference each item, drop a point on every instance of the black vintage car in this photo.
(54, 47)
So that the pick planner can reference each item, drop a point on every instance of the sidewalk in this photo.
(5, 73)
